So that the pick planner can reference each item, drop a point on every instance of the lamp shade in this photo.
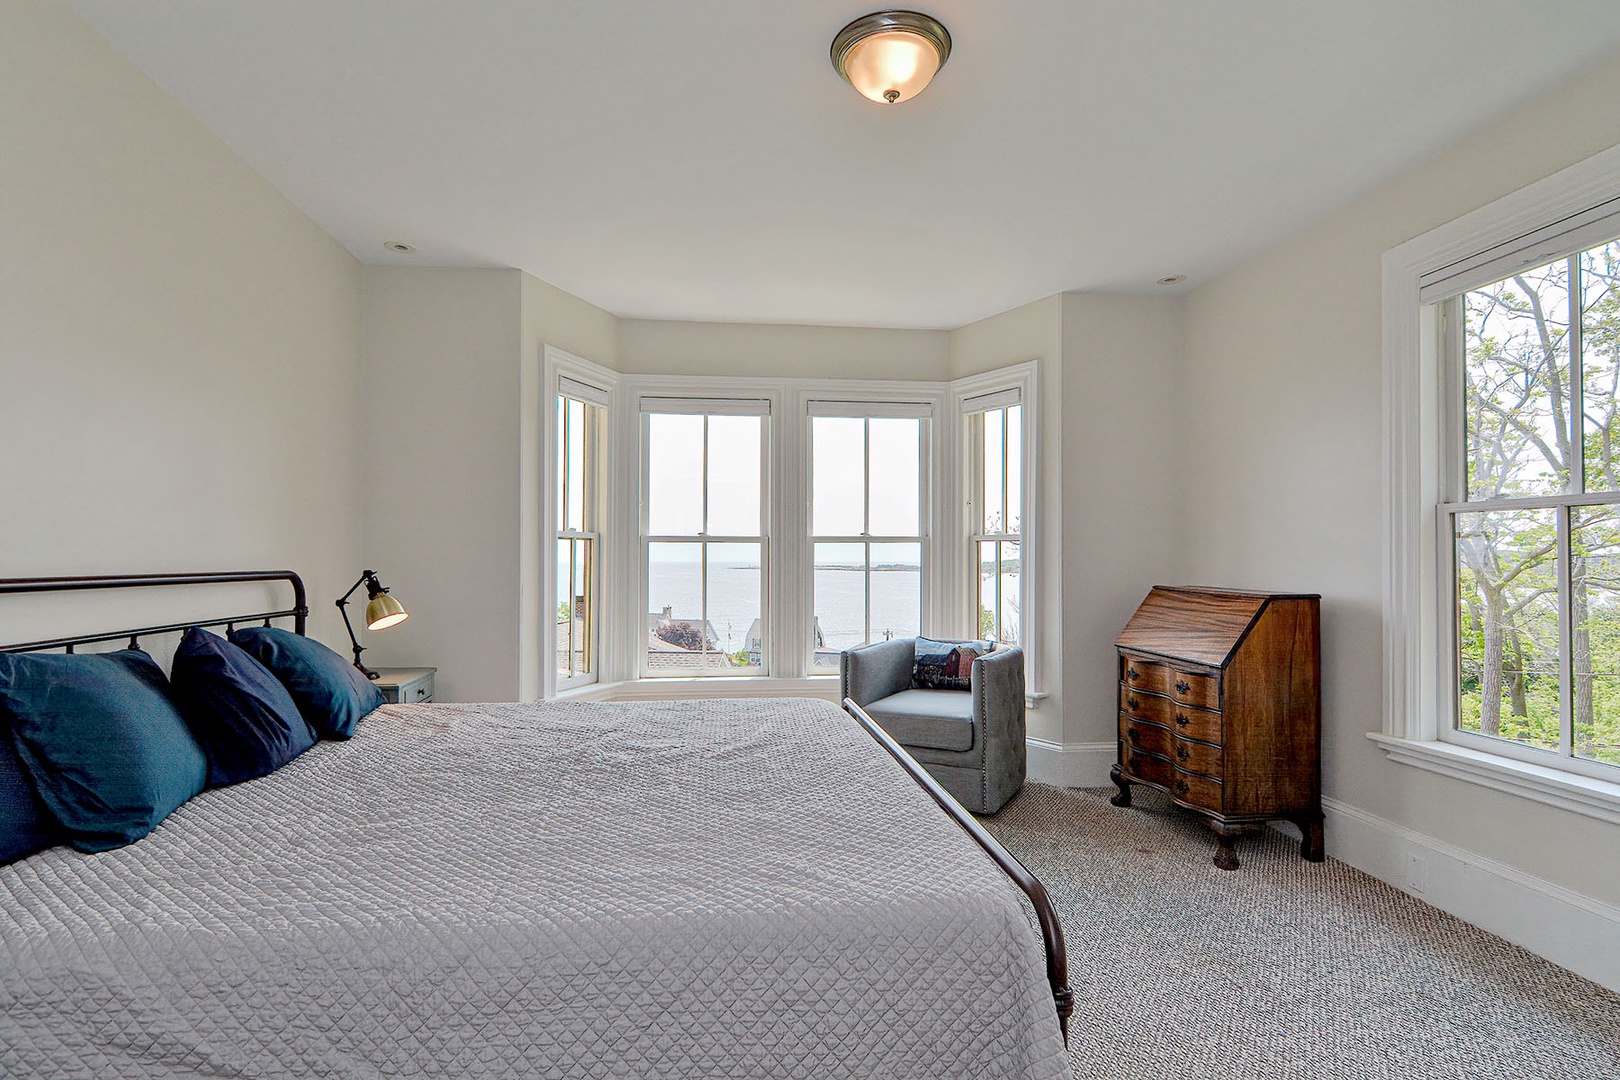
(890, 56)
(383, 611)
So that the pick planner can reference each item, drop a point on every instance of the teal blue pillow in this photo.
(26, 825)
(240, 714)
(105, 746)
(946, 665)
(330, 692)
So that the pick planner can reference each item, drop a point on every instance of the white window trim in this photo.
(565, 372)
(1018, 383)
(1416, 705)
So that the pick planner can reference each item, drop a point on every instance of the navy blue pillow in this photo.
(103, 742)
(26, 826)
(947, 665)
(330, 692)
(242, 717)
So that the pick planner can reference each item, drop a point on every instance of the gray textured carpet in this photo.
(1283, 968)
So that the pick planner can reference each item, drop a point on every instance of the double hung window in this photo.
(704, 536)
(868, 537)
(578, 540)
(1529, 510)
(996, 514)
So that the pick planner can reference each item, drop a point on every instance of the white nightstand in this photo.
(405, 685)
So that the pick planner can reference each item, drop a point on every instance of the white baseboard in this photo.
(1570, 929)
(1070, 764)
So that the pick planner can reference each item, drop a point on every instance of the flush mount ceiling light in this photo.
(890, 56)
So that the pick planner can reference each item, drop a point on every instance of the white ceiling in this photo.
(702, 160)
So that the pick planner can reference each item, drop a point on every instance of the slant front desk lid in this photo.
(1202, 625)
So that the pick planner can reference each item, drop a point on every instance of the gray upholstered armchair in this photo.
(971, 741)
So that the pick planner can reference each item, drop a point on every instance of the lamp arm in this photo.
(343, 606)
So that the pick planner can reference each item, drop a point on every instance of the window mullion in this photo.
(1577, 382)
(1566, 638)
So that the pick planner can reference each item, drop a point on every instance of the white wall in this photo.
(1121, 466)
(1281, 486)
(178, 347)
(770, 350)
(442, 359)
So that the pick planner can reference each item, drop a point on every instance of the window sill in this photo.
(1581, 794)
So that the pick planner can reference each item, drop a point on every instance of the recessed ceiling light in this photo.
(890, 56)
(1173, 279)
(399, 247)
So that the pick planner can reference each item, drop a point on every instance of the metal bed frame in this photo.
(1045, 914)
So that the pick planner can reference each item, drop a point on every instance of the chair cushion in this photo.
(102, 740)
(329, 691)
(244, 719)
(946, 665)
(937, 719)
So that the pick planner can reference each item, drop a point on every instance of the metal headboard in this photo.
(298, 612)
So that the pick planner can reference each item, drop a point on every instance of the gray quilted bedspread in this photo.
(729, 889)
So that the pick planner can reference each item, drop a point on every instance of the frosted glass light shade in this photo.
(384, 611)
(890, 56)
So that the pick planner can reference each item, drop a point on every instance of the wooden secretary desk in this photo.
(1220, 707)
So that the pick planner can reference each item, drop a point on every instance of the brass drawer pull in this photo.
(1130, 735)
(1182, 686)
(1181, 787)
(1130, 673)
(1132, 703)
(1181, 753)
(1182, 720)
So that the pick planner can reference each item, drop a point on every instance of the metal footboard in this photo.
(1057, 957)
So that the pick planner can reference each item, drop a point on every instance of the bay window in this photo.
(577, 539)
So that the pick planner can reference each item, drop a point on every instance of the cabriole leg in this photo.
(1117, 775)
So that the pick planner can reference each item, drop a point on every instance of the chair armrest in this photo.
(997, 684)
(876, 671)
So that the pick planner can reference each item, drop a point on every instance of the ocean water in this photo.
(840, 600)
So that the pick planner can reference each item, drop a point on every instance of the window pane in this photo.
(896, 478)
(565, 621)
(734, 608)
(1595, 621)
(838, 476)
(1507, 621)
(675, 639)
(1012, 569)
(1015, 469)
(840, 600)
(989, 586)
(1516, 392)
(896, 591)
(674, 474)
(562, 463)
(1600, 362)
(990, 501)
(734, 475)
(576, 466)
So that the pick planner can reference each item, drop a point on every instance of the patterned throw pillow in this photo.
(946, 665)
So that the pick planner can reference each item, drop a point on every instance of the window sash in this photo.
(705, 407)
(978, 409)
(1593, 229)
(593, 415)
(866, 411)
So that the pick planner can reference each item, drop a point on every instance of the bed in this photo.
(740, 888)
